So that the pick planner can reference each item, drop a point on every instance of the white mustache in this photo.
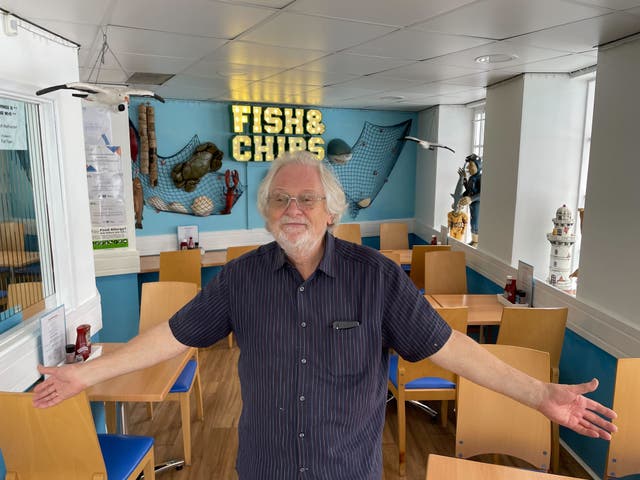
(287, 219)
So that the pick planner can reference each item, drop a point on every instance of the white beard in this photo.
(303, 246)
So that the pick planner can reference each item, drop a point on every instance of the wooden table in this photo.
(151, 384)
(451, 468)
(212, 258)
(483, 309)
(17, 259)
(405, 255)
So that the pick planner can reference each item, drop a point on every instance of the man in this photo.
(314, 317)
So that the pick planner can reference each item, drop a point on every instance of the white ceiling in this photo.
(383, 54)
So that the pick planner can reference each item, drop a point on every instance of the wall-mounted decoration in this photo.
(471, 194)
(339, 152)
(207, 158)
(562, 240)
(373, 157)
(210, 195)
(264, 133)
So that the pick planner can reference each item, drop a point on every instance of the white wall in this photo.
(549, 162)
(426, 168)
(610, 257)
(500, 168)
(29, 63)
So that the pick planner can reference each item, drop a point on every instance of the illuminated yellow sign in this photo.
(263, 133)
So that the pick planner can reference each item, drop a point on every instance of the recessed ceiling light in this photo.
(496, 58)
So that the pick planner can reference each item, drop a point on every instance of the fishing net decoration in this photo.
(207, 199)
(373, 157)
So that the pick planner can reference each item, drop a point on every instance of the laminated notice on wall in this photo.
(106, 197)
(13, 127)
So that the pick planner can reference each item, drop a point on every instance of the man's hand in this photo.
(63, 382)
(461, 172)
(566, 405)
(464, 201)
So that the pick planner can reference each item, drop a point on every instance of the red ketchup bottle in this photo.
(83, 341)
(510, 289)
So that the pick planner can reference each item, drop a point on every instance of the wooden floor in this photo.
(215, 440)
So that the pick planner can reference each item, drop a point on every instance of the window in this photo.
(478, 131)
(26, 272)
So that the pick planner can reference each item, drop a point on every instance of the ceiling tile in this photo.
(263, 3)
(416, 45)
(132, 62)
(247, 53)
(104, 75)
(482, 79)
(613, 4)
(354, 64)
(501, 19)
(189, 81)
(397, 12)
(149, 42)
(72, 11)
(315, 33)
(584, 35)
(379, 82)
(223, 69)
(427, 71)
(81, 33)
(306, 77)
(564, 64)
(195, 17)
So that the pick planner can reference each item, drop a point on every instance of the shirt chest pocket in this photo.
(347, 350)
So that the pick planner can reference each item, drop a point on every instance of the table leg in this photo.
(480, 335)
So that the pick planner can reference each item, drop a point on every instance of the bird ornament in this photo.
(428, 145)
(118, 97)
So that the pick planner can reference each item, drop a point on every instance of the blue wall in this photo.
(177, 121)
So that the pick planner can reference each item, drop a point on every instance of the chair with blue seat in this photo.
(423, 380)
(61, 443)
(158, 303)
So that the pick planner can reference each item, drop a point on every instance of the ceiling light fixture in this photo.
(495, 58)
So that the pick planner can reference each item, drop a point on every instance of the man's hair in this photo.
(335, 198)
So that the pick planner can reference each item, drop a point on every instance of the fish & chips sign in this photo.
(263, 133)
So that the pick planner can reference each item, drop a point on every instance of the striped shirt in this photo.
(314, 355)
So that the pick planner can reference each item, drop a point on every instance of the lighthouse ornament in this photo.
(562, 241)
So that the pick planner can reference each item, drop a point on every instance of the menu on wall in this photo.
(105, 181)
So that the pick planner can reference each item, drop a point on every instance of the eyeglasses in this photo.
(305, 201)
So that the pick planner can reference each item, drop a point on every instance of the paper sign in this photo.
(53, 337)
(13, 127)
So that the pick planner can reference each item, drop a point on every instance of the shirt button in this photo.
(304, 361)
(303, 324)
(302, 399)
(301, 289)
(301, 434)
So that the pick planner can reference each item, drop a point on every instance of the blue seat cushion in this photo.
(184, 381)
(122, 453)
(418, 383)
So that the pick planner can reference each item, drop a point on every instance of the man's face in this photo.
(472, 168)
(296, 227)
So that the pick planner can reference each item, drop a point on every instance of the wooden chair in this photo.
(623, 457)
(160, 300)
(232, 253)
(181, 266)
(349, 232)
(489, 422)
(12, 236)
(423, 380)
(417, 262)
(394, 236)
(445, 273)
(29, 295)
(540, 329)
(61, 443)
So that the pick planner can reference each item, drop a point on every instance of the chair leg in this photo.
(150, 410)
(555, 448)
(444, 413)
(230, 340)
(402, 438)
(185, 411)
(198, 393)
(149, 470)
(111, 417)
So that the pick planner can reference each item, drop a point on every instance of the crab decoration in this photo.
(207, 158)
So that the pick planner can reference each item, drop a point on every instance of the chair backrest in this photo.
(181, 266)
(456, 317)
(160, 300)
(12, 236)
(235, 252)
(624, 449)
(537, 328)
(56, 443)
(445, 273)
(349, 232)
(417, 261)
(394, 236)
(29, 295)
(489, 422)
(392, 255)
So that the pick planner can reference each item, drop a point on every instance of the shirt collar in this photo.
(326, 263)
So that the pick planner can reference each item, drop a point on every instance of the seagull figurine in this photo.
(428, 145)
(116, 96)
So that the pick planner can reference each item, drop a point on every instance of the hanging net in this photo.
(373, 157)
(208, 198)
